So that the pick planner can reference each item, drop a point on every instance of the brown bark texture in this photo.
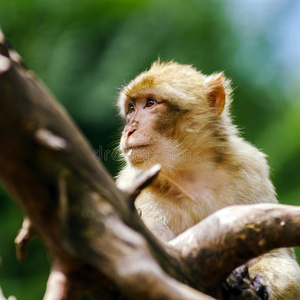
(96, 242)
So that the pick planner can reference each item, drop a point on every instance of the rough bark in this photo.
(97, 243)
(247, 232)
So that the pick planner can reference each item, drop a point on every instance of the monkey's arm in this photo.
(280, 272)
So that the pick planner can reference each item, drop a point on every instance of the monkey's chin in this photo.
(140, 155)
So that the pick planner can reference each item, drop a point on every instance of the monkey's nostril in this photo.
(130, 132)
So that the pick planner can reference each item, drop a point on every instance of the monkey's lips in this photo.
(138, 153)
(130, 149)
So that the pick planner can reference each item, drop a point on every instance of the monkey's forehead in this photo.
(164, 74)
(166, 81)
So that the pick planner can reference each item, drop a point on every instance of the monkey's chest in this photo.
(169, 215)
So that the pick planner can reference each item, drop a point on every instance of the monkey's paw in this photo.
(239, 286)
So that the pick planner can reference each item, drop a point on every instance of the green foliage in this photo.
(85, 50)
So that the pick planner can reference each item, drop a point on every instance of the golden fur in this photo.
(206, 165)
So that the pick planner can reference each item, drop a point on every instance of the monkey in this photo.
(180, 118)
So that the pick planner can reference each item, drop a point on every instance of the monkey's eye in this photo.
(150, 102)
(130, 108)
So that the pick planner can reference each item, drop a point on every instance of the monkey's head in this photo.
(167, 111)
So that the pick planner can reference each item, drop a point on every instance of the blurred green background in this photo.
(85, 50)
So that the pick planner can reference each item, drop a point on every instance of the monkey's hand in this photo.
(239, 286)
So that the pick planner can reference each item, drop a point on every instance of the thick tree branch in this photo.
(232, 236)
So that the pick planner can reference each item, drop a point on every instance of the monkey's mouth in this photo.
(129, 150)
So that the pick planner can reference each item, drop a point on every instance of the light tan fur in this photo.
(206, 165)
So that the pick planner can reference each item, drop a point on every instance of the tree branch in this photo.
(235, 235)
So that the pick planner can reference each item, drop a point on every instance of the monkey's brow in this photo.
(131, 99)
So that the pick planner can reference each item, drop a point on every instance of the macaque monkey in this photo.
(178, 117)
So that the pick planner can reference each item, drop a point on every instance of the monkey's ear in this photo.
(216, 97)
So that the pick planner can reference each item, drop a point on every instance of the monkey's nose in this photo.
(131, 129)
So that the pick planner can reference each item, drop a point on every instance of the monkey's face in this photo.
(167, 111)
(144, 140)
